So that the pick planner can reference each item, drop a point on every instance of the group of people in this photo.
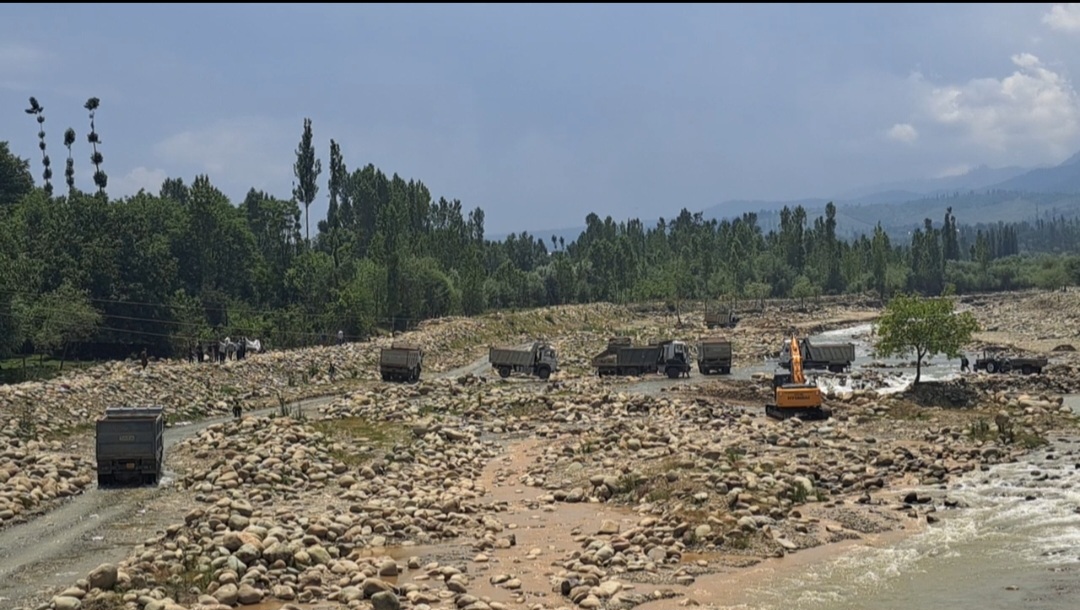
(218, 352)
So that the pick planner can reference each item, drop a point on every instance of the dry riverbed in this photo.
(465, 491)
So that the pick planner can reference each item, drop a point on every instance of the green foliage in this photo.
(15, 178)
(188, 264)
(923, 326)
(61, 317)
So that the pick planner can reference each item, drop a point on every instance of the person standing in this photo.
(144, 359)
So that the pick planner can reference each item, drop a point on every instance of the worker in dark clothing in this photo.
(964, 363)
(236, 409)
(144, 358)
(199, 352)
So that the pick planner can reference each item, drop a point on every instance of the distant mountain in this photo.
(981, 195)
(979, 178)
(1062, 178)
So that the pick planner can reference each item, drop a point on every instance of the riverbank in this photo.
(465, 490)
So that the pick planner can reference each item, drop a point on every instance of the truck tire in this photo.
(103, 480)
(504, 371)
(1026, 369)
(543, 373)
(673, 372)
(726, 370)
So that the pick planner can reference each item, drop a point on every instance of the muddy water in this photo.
(1072, 401)
(1016, 545)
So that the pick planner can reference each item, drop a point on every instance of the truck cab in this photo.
(545, 355)
(675, 358)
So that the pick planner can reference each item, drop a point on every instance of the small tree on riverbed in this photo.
(925, 326)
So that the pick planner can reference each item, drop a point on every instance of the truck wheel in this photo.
(103, 480)
(991, 367)
(1027, 370)
(726, 370)
(673, 372)
(544, 372)
(504, 372)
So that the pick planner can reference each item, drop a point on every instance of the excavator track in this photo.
(803, 413)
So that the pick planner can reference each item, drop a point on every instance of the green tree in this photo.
(101, 180)
(37, 109)
(307, 169)
(61, 318)
(69, 169)
(758, 291)
(15, 178)
(804, 289)
(925, 326)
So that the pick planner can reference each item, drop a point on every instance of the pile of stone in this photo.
(35, 475)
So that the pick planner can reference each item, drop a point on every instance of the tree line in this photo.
(166, 270)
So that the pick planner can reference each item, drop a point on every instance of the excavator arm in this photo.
(796, 398)
(796, 362)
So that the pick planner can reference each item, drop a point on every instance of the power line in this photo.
(197, 308)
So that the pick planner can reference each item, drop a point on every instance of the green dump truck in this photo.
(714, 356)
(835, 357)
(130, 445)
(401, 362)
(540, 360)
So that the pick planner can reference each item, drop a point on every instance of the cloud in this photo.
(18, 62)
(956, 170)
(903, 132)
(1032, 106)
(138, 178)
(1063, 17)
(249, 150)
(17, 57)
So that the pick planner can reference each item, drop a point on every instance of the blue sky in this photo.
(540, 114)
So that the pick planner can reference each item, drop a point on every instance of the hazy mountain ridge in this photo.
(983, 194)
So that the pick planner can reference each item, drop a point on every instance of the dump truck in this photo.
(627, 360)
(835, 357)
(401, 362)
(540, 360)
(674, 358)
(721, 319)
(994, 360)
(714, 356)
(130, 445)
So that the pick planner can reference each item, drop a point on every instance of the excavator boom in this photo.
(796, 362)
(795, 397)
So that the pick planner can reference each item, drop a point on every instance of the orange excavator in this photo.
(792, 395)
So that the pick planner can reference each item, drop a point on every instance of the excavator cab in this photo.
(793, 396)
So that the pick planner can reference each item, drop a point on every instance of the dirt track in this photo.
(54, 550)
(98, 526)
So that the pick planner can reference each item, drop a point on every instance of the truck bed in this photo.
(398, 358)
(501, 356)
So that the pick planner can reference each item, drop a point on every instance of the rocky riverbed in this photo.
(470, 492)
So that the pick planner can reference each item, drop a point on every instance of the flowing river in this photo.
(1016, 545)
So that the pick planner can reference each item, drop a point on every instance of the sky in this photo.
(540, 114)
